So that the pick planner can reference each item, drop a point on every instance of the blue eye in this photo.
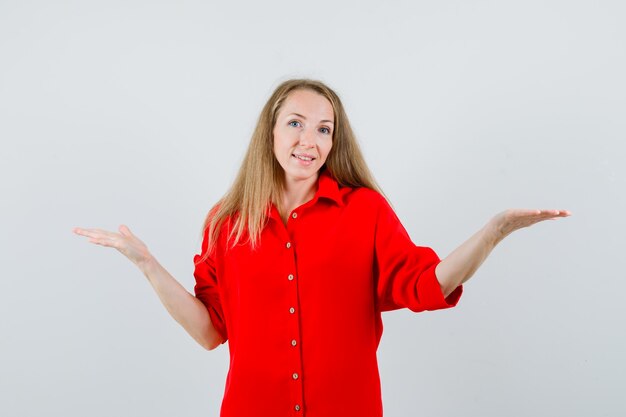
(294, 123)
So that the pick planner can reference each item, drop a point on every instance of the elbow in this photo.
(209, 339)
(448, 289)
(442, 280)
(211, 347)
(212, 343)
(446, 282)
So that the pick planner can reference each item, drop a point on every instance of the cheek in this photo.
(282, 140)
(328, 148)
(278, 143)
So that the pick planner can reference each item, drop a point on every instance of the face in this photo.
(303, 134)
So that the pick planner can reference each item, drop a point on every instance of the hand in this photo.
(511, 220)
(125, 242)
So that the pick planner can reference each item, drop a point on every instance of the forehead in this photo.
(308, 103)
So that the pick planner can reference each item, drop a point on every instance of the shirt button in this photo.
(290, 277)
(288, 245)
(293, 342)
(292, 310)
(295, 375)
(294, 215)
(297, 407)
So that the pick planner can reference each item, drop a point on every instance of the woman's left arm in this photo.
(461, 264)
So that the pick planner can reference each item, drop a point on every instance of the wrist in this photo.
(147, 265)
(492, 233)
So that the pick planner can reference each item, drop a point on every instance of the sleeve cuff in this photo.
(433, 295)
(217, 323)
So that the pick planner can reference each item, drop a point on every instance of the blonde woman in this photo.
(298, 261)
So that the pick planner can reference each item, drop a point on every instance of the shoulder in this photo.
(364, 195)
(366, 200)
(224, 225)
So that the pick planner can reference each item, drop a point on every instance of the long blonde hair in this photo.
(260, 179)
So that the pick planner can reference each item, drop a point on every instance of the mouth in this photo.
(306, 158)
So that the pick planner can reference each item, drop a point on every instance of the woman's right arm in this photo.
(184, 307)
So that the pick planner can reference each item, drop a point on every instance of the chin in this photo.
(301, 176)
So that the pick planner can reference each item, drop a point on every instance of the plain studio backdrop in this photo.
(138, 113)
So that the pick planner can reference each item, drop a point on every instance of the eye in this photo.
(327, 130)
(293, 121)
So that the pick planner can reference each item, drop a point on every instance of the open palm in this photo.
(510, 220)
(127, 243)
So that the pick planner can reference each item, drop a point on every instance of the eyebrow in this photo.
(321, 121)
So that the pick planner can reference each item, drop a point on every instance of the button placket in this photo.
(294, 367)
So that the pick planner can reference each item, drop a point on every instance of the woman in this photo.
(298, 261)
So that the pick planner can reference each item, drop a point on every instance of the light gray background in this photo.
(139, 113)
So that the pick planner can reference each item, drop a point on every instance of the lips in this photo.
(303, 157)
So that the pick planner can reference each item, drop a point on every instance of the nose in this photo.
(307, 138)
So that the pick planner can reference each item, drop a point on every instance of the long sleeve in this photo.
(405, 273)
(207, 289)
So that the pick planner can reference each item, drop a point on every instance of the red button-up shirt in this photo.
(302, 313)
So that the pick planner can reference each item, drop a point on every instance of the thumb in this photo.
(124, 230)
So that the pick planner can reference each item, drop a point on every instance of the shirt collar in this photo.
(328, 188)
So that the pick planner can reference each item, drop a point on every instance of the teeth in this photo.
(304, 158)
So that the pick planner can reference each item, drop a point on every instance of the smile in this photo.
(303, 158)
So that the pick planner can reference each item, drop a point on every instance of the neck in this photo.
(298, 192)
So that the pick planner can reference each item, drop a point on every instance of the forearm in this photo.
(184, 307)
(461, 264)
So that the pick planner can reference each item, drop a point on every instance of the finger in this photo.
(550, 212)
(125, 230)
(104, 232)
(89, 233)
(526, 212)
(97, 233)
(547, 214)
(531, 215)
(86, 232)
(80, 231)
(559, 213)
(102, 242)
(563, 212)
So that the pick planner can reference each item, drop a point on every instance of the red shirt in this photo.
(302, 313)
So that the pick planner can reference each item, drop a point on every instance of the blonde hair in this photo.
(260, 179)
